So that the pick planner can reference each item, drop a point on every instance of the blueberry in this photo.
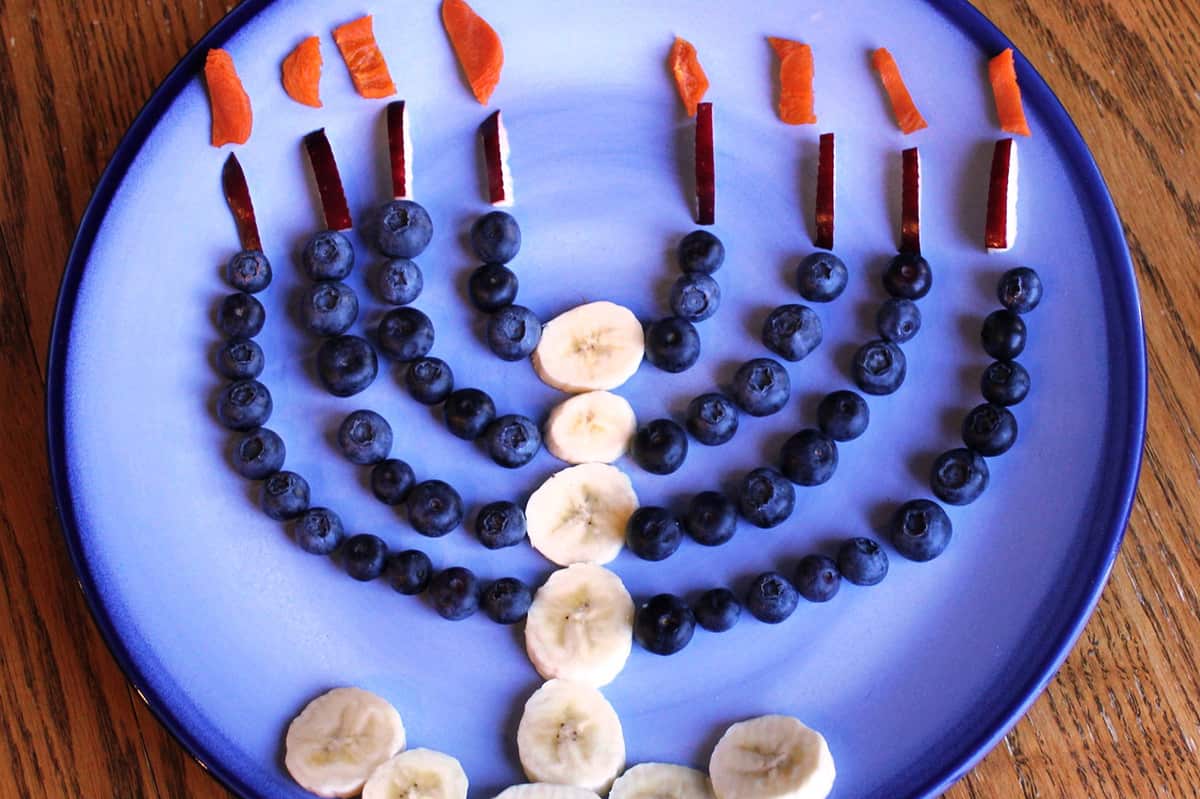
(500, 525)
(329, 308)
(1020, 290)
(258, 454)
(908, 277)
(664, 625)
(240, 359)
(920, 530)
(843, 415)
(817, 578)
(862, 561)
(405, 334)
(1004, 383)
(513, 332)
(792, 332)
(468, 412)
(391, 480)
(653, 533)
(249, 271)
(711, 518)
(695, 297)
(660, 447)
(318, 531)
(712, 419)
(809, 458)
(959, 476)
(672, 344)
(701, 251)
(717, 610)
(429, 380)
(454, 593)
(365, 437)
(879, 367)
(398, 281)
(989, 429)
(244, 405)
(496, 237)
(898, 320)
(328, 256)
(363, 556)
(346, 365)
(766, 498)
(492, 286)
(409, 571)
(507, 600)
(284, 495)
(241, 316)
(771, 598)
(1003, 335)
(761, 387)
(434, 508)
(403, 229)
(512, 440)
(821, 277)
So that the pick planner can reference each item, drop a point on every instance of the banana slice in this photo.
(771, 757)
(590, 428)
(570, 735)
(580, 625)
(543, 791)
(579, 514)
(339, 739)
(597, 346)
(662, 781)
(418, 774)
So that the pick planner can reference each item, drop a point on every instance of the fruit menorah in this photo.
(580, 624)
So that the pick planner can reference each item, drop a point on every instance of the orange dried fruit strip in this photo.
(689, 75)
(360, 51)
(795, 81)
(477, 47)
(302, 72)
(1002, 72)
(907, 116)
(232, 117)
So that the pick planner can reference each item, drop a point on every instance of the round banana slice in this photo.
(541, 790)
(580, 625)
(661, 781)
(579, 514)
(590, 428)
(417, 774)
(771, 757)
(597, 346)
(570, 735)
(339, 739)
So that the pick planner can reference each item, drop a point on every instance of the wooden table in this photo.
(1122, 718)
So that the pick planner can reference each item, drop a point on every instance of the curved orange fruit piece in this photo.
(689, 75)
(232, 117)
(1002, 72)
(302, 72)
(360, 51)
(795, 81)
(907, 116)
(476, 45)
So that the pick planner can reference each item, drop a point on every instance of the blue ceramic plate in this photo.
(228, 629)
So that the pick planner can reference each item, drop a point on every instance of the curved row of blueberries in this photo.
(672, 342)
(919, 529)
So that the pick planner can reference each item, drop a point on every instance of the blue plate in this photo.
(228, 629)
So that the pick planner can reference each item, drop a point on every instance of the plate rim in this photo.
(960, 12)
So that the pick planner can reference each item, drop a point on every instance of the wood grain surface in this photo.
(1120, 720)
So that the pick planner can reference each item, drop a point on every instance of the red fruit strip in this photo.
(397, 124)
(910, 211)
(329, 182)
(706, 169)
(824, 238)
(495, 157)
(237, 194)
(996, 232)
